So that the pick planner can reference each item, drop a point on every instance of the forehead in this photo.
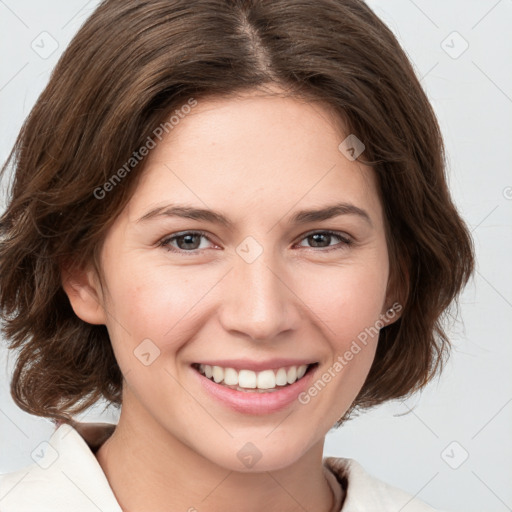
(255, 153)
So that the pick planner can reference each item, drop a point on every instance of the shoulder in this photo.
(366, 492)
(65, 476)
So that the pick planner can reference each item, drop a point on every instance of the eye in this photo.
(190, 241)
(323, 239)
(187, 241)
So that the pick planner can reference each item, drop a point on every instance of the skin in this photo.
(258, 158)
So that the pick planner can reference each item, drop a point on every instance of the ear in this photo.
(391, 313)
(395, 300)
(84, 293)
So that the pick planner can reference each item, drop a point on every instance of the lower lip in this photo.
(255, 402)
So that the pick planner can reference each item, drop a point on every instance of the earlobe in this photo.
(396, 295)
(392, 313)
(84, 294)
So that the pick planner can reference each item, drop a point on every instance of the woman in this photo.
(231, 220)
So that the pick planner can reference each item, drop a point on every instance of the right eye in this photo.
(184, 242)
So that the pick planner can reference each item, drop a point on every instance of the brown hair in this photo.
(128, 68)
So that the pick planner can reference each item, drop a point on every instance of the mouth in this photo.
(249, 381)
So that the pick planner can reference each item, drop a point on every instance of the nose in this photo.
(258, 300)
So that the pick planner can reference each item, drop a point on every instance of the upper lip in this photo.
(249, 364)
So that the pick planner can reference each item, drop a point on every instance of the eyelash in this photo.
(345, 240)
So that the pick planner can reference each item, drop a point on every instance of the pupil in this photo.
(187, 241)
(319, 235)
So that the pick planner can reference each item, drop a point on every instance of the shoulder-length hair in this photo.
(131, 66)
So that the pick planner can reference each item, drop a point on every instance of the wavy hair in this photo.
(134, 62)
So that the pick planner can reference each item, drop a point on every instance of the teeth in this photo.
(301, 370)
(247, 379)
(291, 374)
(281, 379)
(266, 379)
(230, 376)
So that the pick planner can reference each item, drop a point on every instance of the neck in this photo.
(150, 469)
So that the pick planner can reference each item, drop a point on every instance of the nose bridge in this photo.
(258, 302)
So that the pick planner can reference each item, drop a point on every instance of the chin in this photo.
(255, 454)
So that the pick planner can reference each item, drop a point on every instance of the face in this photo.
(262, 289)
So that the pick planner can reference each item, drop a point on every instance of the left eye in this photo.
(190, 241)
(320, 237)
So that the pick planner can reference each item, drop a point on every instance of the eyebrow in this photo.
(301, 217)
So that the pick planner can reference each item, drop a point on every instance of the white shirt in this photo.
(67, 477)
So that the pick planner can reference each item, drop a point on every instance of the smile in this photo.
(254, 381)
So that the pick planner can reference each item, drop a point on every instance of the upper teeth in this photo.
(266, 379)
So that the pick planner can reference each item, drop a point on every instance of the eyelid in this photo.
(341, 234)
(347, 241)
(164, 242)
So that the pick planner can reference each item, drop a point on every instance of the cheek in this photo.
(347, 299)
(158, 302)
(152, 310)
(349, 308)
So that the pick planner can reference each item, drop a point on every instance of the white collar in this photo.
(66, 477)
(365, 493)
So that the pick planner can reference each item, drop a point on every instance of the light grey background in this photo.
(468, 412)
